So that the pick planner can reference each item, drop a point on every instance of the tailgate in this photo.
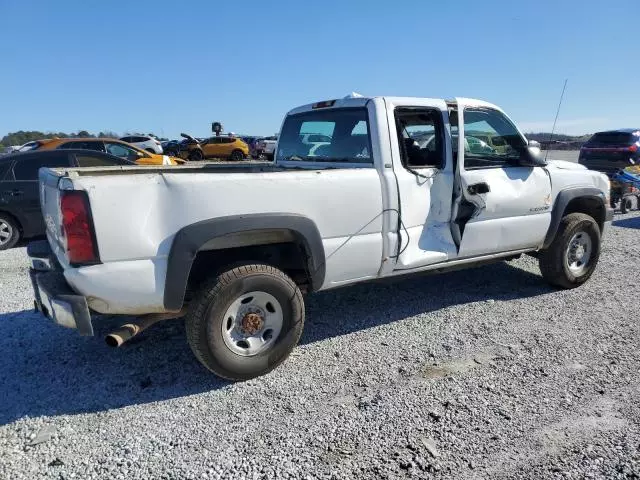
(50, 206)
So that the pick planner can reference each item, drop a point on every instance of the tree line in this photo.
(21, 137)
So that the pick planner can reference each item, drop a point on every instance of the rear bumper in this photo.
(53, 297)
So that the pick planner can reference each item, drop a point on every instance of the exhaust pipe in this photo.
(126, 332)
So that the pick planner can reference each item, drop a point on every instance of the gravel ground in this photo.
(483, 373)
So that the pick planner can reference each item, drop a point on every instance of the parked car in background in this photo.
(24, 147)
(112, 146)
(20, 215)
(610, 151)
(195, 149)
(171, 147)
(251, 143)
(147, 143)
(267, 147)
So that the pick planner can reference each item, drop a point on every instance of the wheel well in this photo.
(592, 206)
(290, 257)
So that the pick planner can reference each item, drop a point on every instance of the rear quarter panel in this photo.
(136, 216)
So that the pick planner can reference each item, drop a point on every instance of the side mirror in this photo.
(532, 155)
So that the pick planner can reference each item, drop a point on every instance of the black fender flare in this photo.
(562, 200)
(190, 239)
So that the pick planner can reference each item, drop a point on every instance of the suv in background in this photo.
(144, 142)
(610, 151)
(267, 147)
(20, 215)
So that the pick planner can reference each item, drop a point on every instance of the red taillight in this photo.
(78, 228)
(633, 148)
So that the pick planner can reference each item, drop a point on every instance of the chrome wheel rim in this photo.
(252, 323)
(6, 232)
(579, 252)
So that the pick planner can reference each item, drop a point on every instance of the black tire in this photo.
(626, 204)
(269, 156)
(236, 156)
(9, 232)
(553, 260)
(206, 320)
(196, 156)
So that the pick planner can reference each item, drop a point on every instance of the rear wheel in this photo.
(626, 204)
(237, 156)
(9, 232)
(573, 255)
(196, 156)
(246, 321)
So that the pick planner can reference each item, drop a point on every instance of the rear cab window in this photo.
(344, 133)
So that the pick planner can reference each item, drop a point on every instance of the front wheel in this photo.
(246, 321)
(196, 156)
(573, 255)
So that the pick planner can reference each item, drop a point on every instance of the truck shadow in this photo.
(632, 222)
(49, 370)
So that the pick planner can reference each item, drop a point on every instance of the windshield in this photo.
(335, 135)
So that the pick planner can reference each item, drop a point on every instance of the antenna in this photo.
(553, 129)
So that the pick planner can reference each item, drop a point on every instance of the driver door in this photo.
(500, 205)
(212, 147)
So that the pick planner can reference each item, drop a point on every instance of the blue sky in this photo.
(169, 67)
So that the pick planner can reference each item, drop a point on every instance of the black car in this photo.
(20, 215)
(610, 151)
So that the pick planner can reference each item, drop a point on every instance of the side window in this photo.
(229, 140)
(421, 137)
(26, 168)
(120, 150)
(4, 168)
(97, 160)
(490, 140)
(128, 139)
(97, 146)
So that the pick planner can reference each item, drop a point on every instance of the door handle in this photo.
(478, 188)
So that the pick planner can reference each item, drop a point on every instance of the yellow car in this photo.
(231, 148)
(112, 146)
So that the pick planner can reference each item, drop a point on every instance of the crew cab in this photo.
(397, 187)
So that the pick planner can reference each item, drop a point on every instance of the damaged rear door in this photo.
(500, 204)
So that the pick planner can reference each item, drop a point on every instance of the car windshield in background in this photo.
(334, 135)
(613, 138)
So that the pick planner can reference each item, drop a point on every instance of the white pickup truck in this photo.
(398, 186)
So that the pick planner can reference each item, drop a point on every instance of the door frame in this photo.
(405, 180)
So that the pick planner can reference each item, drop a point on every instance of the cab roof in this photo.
(355, 100)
